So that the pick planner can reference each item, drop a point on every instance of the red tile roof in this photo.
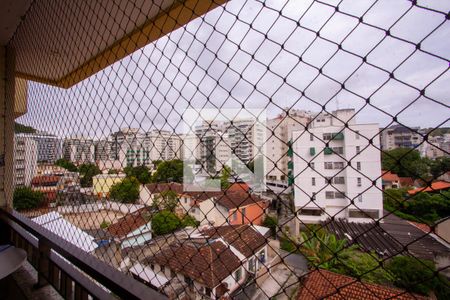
(242, 237)
(231, 200)
(435, 187)
(208, 264)
(321, 284)
(389, 176)
(45, 180)
(129, 223)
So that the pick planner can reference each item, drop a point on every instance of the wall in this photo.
(2, 124)
(103, 183)
(254, 214)
(443, 230)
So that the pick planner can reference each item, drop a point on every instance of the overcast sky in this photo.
(246, 54)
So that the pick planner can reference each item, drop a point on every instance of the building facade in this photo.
(79, 150)
(25, 160)
(335, 167)
(399, 136)
(279, 134)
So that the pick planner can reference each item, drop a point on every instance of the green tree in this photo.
(394, 198)
(126, 191)
(87, 171)
(20, 128)
(26, 198)
(418, 276)
(165, 222)
(166, 200)
(405, 162)
(140, 172)
(169, 171)
(66, 164)
(439, 166)
(189, 221)
(225, 178)
(113, 171)
(272, 223)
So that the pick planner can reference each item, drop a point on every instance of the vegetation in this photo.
(422, 207)
(87, 171)
(141, 173)
(272, 223)
(26, 198)
(225, 178)
(169, 171)
(418, 276)
(166, 200)
(20, 128)
(126, 191)
(66, 164)
(405, 162)
(105, 224)
(113, 171)
(165, 222)
(189, 221)
(439, 166)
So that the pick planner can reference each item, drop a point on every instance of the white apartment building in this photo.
(49, 147)
(103, 150)
(79, 150)
(436, 146)
(399, 136)
(325, 183)
(279, 134)
(25, 160)
(163, 145)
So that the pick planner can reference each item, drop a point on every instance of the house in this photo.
(211, 263)
(228, 207)
(132, 229)
(102, 183)
(320, 284)
(393, 181)
(435, 187)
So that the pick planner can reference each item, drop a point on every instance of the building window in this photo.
(238, 274)
(358, 166)
(328, 165)
(339, 195)
(327, 136)
(251, 265)
(357, 135)
(338, 150)
(262, 257)
(311, 212)
(338, 165)
(339, 180)
(329, 195)
(358, 149)
(312, 165)
(359, 198)
(313, 197)
(311, 137)
(358, 180)
(188, 281)
(208, 292)
(313, 181)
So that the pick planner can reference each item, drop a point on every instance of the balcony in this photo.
(73, 273)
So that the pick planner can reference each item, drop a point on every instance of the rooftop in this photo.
(321, 284)
(129, 223)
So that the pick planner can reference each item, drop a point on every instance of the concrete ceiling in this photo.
(11, 14)
(63, 42)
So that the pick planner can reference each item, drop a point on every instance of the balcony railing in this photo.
(68, 269)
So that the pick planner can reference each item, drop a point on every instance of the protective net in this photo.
(241, 149)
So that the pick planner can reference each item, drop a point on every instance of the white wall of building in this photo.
(25, 160)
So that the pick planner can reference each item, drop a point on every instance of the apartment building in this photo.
(49, 147)
(436, 146)
(103, 150)
(279, 133)
(335, 167)
(163, 145)
(25, 160)
(79, 150)
(399, 136)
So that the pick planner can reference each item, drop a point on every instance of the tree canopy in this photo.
(165, 222)
(87, 171)
(66, 164)
(26, 198)
(126, 191)
(439, 166)
(225, 178)
(166, 200)
(169, 171)
(141, 173)
(405, 162)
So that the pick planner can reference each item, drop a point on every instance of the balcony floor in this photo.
(19, 286)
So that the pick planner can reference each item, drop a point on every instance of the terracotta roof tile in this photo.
(389, 176)
(321, 284)
(129, 223)
(435, 186)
